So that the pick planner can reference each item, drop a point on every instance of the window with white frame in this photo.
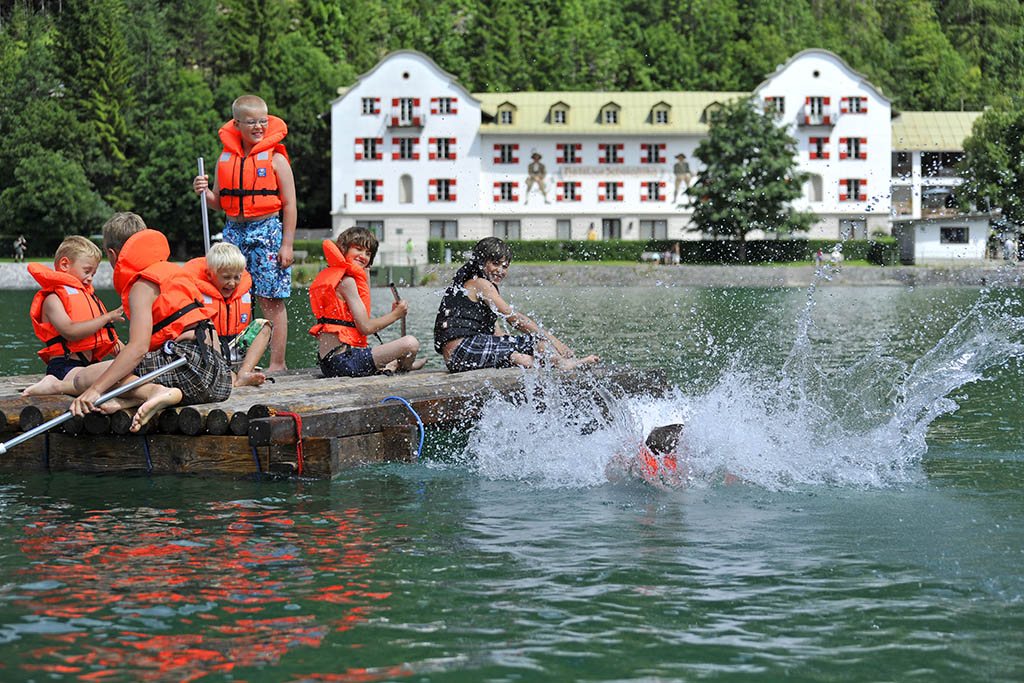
(368, 149)
(653, 229)
(505, 117)
(652, 191)
(652, 152)
(568, 152)
(775, 104)
(371, 105)
(610, 153)
(954, 235)
(506, 191)
(506, 153)
(369, 190)
(568, 191)
(854, 104)
(853, 148)
(441, 190)
(661, 116)
(406, 149)
(558, 116)
(506, 229)
(817, 148)
(444, 105)
(611, 116)
(445, 148)
(444, 230)
(853, 190)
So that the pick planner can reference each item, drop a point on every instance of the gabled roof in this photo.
(453, 82)
(823, 53)
(634, 111)
(932, 130)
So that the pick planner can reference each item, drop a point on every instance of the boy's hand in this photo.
(85, 403)
(201, 183)
(401, 306)
(285, 256)
(116, 315)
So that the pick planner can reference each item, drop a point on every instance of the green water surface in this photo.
(440, 570)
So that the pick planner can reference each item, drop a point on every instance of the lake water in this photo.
(875, 532)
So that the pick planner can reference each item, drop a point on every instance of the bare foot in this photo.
(166, 396)
(111, 406)
(416, 365)
(249, 379)
(47, 385)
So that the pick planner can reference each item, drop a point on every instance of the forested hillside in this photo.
(105, 104)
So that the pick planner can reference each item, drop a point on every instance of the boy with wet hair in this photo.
(70, 320)
(255, 187)
(225, 284)
(340, 299)
(167, 321)
(467, 331)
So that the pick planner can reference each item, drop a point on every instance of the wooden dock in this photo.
(345, 422)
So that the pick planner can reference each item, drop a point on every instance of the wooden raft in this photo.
(345, 421)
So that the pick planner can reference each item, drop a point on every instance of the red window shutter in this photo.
(863, 149)
(560, 197)
(602, 191)
(515, 191)
(359, 190)
(862, 193)
(380, 192)
(432, 148)
(451, 187)
(455, 102)
(416, 112)
(661, 191)
(824, 141)
(376, 105)
(395, 149)
(619, 194)
(497, 154)
(433, 105)
(621, 158)
(844, 105)
(394, 111)
(844, 151)
(579, 152)
(843, 190)
(433, 190)
(807, 110)
(497, 192)
(451, 148)
(415, 147)
(576, 186)
(380, 149)
(560, 149)
(359, 149)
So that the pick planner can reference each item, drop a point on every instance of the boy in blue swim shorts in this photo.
(255, 187)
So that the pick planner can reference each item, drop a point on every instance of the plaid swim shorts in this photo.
(260, 241)
(200, 380)
(488, 351)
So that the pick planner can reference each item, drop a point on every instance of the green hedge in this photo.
(880, 250)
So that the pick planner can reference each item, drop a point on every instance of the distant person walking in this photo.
(20, 245)
(408, 251)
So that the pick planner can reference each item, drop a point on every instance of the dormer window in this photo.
(506, 114)
(559, 114)
(659, 114)
(609, 114)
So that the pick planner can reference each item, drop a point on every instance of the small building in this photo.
(960, 239)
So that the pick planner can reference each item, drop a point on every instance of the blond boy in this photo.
(70, 320)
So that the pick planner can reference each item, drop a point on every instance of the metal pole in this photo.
(114, 393)
(394, 290)
(206, 216)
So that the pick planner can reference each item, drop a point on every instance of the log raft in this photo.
(345, 422)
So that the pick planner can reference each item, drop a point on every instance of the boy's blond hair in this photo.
(225, 256)
(119, 228)
(360, 237)
(247, 104)
(76, 247)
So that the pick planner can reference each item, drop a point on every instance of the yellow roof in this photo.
(532, 111)
(932, 130)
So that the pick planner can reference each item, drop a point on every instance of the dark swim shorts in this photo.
(60, 366)
(356, 362)
(488, 351)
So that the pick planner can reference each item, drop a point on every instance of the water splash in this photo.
(799, 425)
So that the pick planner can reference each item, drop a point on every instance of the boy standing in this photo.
(69, 318)
(340, 298)
(255, 187)
(225, 284)
(167, 320)
(467, 332)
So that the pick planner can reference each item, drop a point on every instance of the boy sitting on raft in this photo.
(467, 332)
(224, 283)
(167, 321)
(340, 298)
(70, 319)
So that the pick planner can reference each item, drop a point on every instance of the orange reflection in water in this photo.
(148, 594)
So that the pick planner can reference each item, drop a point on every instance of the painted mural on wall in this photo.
(535, 174)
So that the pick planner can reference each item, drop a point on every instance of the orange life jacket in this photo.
(81, 304)
(231, 315)
(330, 310)
(249, 181)
(178, 306)
(651, 465)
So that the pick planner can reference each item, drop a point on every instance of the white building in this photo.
(414, 155)
(960, 239)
